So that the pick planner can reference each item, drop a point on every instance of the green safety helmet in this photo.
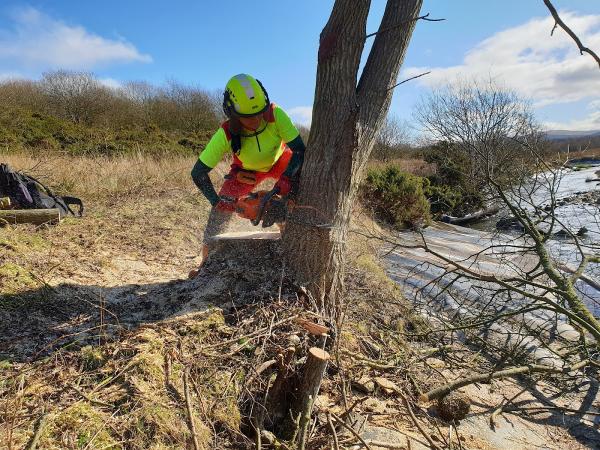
(244, 96)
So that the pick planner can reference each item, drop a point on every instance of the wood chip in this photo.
(311, 327)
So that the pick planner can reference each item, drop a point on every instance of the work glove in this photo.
(284, 184)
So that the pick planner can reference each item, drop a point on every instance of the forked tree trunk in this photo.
(346, 117)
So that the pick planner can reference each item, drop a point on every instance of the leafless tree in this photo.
(488, 127)
(392, 138)
(77, 96)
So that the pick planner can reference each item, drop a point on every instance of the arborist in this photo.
(264, 143)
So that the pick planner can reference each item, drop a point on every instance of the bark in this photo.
(346, 117)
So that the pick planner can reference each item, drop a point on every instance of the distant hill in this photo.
(556, 135)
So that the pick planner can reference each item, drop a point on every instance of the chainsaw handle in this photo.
(263, 203)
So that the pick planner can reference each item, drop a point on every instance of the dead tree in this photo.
(347, 114)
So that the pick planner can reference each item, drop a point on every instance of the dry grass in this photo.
(137, 207)
(589, 153)
(105, 180)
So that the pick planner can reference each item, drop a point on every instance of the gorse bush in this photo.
(396, 197)
(452, 189)
(76, 113)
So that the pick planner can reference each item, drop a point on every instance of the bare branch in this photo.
(533, 368)
(570, 32)
(408, 79)
(404, 22)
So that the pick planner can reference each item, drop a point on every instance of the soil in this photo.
(106, 297)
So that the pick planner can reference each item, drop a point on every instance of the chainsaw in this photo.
(267, 207)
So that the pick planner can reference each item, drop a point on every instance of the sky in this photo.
(204, 43)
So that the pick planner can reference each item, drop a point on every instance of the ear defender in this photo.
(228, 108)
(267, 101)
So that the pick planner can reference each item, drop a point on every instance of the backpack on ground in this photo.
(25, 192)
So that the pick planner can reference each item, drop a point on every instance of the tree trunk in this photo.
(346, 117)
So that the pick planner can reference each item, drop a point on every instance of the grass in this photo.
(143, 209)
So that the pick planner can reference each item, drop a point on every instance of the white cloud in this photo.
(590, 123)
(301, 115)
(547, 69)
(38, 41)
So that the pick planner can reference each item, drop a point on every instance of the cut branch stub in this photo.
(316, 362)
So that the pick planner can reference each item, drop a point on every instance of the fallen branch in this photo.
(247, 336)
(533, 368)
(470, 218)
(388, 445)
(349, 428)
(417, 423)
(89, 399)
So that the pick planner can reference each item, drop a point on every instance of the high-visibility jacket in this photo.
(260, 150)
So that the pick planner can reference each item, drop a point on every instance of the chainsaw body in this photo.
(267, 207)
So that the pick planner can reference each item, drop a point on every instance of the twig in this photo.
(188, 405)
(39, 426)
(109, 380)
(408, 79)
(250, 335)
(388, 445)
(349, 428)
(404, 22)
(500, 408)
(558, 21)
(336, 444)
(416, 421)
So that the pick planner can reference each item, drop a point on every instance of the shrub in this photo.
(452, 189)
(397, 197)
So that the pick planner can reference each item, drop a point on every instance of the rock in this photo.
(294, 340)
(453, 407)
(374, 405)
(509, 223)
(387, 386)
(364, 384)
(436, 363)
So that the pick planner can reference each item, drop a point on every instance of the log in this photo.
(470, 218)
(34, 216)
(314, 369)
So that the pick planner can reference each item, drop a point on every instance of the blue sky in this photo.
(204, 43)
